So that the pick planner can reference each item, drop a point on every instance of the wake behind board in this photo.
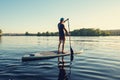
(45, 55)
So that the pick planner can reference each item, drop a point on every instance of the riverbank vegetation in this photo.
(77, 32)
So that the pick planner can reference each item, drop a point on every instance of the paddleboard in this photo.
(46, 55)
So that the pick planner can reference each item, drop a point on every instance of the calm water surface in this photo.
(99, 61)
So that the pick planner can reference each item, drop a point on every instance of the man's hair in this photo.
(61, 19)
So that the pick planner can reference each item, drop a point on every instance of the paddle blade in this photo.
(72, 54)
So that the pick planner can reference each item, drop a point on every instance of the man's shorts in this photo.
(61, 37)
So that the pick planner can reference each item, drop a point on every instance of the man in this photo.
(61, 29)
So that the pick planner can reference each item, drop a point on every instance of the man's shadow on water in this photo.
(63, 75)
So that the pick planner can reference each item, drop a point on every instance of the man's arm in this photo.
(66, 31)
(66, 20)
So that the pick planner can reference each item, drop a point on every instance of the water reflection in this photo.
(62, 72)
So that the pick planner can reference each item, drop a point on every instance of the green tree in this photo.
(26, 33)
(38, 34)
(47, 33)
(43, 34)
(52, 34)
(105, 33)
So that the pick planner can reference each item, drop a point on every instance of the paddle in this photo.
(71, 50)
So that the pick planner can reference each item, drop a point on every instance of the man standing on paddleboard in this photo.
(62, 32)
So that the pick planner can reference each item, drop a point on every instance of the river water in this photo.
(100, 59)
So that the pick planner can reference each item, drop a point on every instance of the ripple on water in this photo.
(96, 68)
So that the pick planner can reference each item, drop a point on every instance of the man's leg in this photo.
(59, 46)
(63, 43)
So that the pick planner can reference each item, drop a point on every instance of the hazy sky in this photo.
(43, 15)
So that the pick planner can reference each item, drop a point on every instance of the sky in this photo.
(20, 16)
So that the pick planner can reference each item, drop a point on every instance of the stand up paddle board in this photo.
(46, 55)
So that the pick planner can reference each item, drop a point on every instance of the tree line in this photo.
(77, 32)
(42, 34)
(89, 32)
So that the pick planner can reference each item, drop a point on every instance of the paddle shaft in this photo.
(71, 50)
(69, 34)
